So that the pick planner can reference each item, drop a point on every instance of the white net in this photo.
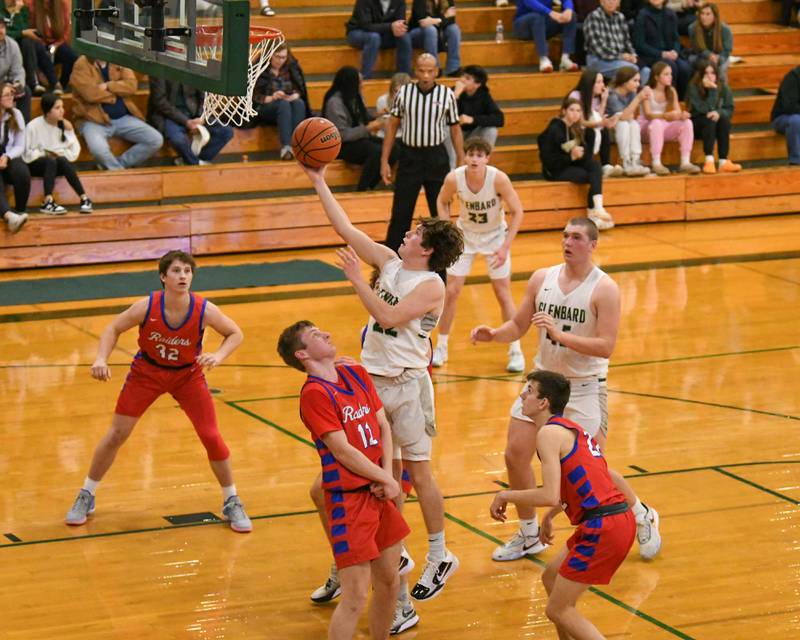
(236, 110)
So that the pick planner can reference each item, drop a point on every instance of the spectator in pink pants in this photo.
(662, 120)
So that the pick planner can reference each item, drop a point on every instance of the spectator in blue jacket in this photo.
(655, 36)
(537, 20)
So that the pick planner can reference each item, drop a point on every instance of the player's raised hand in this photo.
(316, 174)
(498, 507)
(100, 371)
(208, 360)
(349, 263)
(482, 333)
(546, 533)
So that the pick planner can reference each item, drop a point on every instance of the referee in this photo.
(424, 107)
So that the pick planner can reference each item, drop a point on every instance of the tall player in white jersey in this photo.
(576, 308)
(481, 191)
(404, 308)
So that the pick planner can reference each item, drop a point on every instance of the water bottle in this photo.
(499, 32)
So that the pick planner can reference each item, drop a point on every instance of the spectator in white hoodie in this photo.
(51, 147)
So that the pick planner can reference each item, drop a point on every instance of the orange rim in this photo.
(206, 35)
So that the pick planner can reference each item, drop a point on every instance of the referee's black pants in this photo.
(417, 167)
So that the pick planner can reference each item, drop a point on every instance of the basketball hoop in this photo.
(235, 110)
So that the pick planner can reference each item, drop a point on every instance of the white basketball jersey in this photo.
(572, 313)
(388, 351)
(480, 212)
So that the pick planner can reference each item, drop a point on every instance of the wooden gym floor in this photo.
(704, 421)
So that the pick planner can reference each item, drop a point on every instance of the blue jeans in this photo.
(370, 43)
(609, 68)
(178, 137)
(540, 28)
(790, 127)
(427, 38)
(287, 114)
(146, 141)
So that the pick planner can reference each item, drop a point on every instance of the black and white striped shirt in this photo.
(425, 115)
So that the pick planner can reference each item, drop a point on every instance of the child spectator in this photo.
(565, 150)
(785, 116)
(539, 21)
(13, 169)
(343, 105)
(479, 114)
(624, 101)
(662, 119)
(655, 36)
(433, 28)
(280, 97)
(710, 39)
(385, 100)
(711, 104)
(51, 147)
(51, 21)
(592, 93)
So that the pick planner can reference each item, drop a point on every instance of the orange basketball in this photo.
(316, 142)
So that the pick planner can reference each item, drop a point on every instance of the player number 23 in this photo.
(480, 218)
(366, 436)
(167, 354)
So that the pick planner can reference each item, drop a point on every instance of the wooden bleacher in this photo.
(237, 206)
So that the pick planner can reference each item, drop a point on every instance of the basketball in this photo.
(316, 142)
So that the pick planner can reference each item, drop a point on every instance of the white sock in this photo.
(515, 347)
(90, 485)
(709, 158)
(436, 547)
(402, 594)
(334, 571)
(229, 491)
(442, 340)
(529, 528)
(685, 159)
(264, 3)
(722, 161)
(656, 159)
(639, 510)
(597, 201)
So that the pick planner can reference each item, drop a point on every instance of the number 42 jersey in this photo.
(171, 347)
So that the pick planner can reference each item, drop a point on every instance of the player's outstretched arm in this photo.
(445, 196)
(518, 326)
(355, 461)
(228, 329)
(389, 133)
(132, 316)
(367, 249)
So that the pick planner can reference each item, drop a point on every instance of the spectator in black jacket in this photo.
(380, 24)
(176, 110)
(655, 37)
(786, 113)
(565, 149)
(433, 28)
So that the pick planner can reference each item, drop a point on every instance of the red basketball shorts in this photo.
(146, 382)
(598, 547)
(360, 526)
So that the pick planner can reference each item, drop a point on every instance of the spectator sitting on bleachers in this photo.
(13, 169)
(592, 93)
(787, 6)
(655, 36)
(478, 113)
(710, 39)
(343, 105)
(565, 150)
(662, 119)
(176, 110)
(582, 10)
(710, 102)
(380, 24)
(686, 12)
(51, 147)
(537, 20)
(52, 21)
(624, 100)
(280, 97)
(385, 100)
(785, 116)
(17, 18)
(608, 41)
(12, 71)
(103, 108)
(433, 27)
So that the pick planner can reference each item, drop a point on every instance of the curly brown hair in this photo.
(445, 239)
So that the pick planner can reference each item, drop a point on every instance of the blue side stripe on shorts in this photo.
(328, 460)
(341, 529)
(330, 476)
(594, 523)
(590, 503)
(585, 550)
(337, 498)
(575, 563)
(337, 513)
(319, 444)
(591, 537)
(340, 547)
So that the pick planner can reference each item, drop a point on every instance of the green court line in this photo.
(608, 597)
(702, 356)
(755, 485)
(283, 430)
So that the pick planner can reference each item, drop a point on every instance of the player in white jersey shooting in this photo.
(404, 308)
(481, 191)
(576, 308)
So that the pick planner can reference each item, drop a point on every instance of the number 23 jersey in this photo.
(172, 347)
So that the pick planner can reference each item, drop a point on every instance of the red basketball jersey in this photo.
(351, 405)
(171, 347)
(585, 481)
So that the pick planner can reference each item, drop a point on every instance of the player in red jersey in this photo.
(575, 479)
(341, 409)
(170, 360)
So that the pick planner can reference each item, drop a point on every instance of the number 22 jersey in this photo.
(171, 347)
